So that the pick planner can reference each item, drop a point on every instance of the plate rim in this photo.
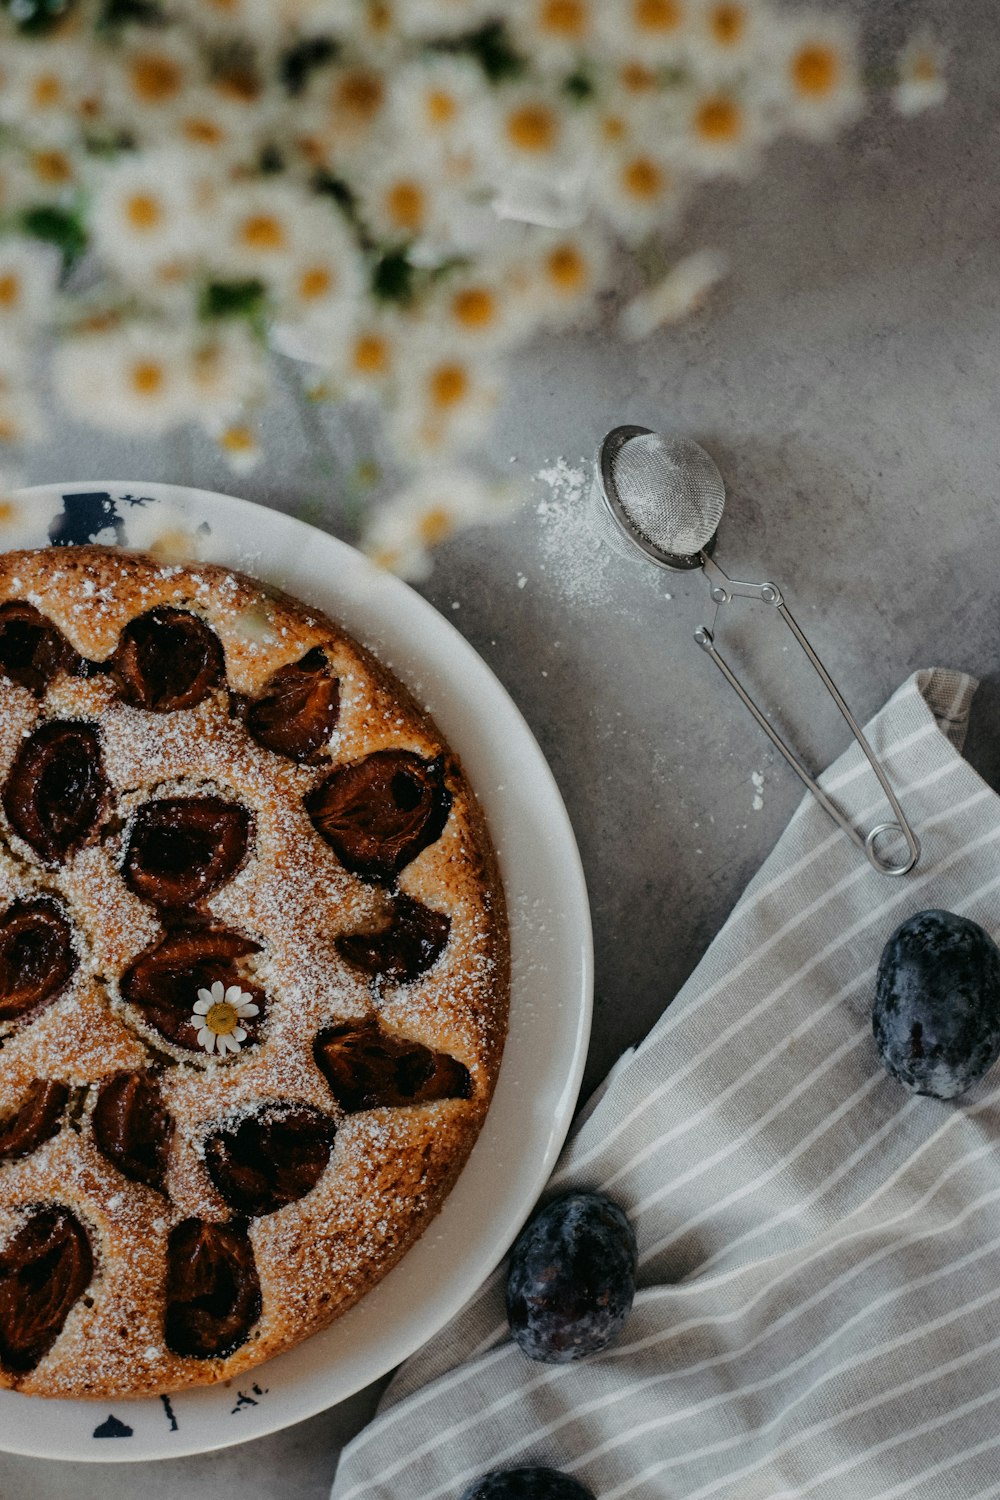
(480, 1265)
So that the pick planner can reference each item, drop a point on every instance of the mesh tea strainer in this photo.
(667, 497)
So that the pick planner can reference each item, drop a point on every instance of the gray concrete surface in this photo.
(846, 382)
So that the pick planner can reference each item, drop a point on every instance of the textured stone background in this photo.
(845, 380)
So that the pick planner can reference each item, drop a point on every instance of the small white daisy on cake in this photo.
(217, 1016)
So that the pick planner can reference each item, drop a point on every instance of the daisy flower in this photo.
(217, 1016)
(49, 172)
(346, 106)
(371, 357)
(681, 292)
(532, 131)
(258, 229)
(727, 35)
(724, 131)
(444, 401)
(144, 215)
(436, 506)
(323, 283)
(28, 275)
(216, 129)
(403, 200)
(554, 33)
(480, 309)
(134, 378)
(819, 84)
(21, 418)
(239, 445)
(43, 82)
(639, 190)
(227, 373)
(654, 31)
(434, 103)
(921, 75)
(150, 77)
(566, 271)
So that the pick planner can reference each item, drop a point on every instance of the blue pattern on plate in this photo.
(86, 515)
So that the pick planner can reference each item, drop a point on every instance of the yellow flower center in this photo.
(222, 1018)
(566, 268)
(237, 439)
(636, 78)
(240, 84)
(315, 281)
(728, 23)
(52, 166)
(642, 178)
(10, 432)
(924, 68)
(146, 377)
(815, 70)
(263, 232)
(360, 94)
(449, 386)
(143, 212)
(657, 15)
(441, 107)
(435, 526)
(474, 307)
(614, 128)
(371, 355)
(380, 18)
(406, 205)
(201, 131)
(532, 128)
(47, 91)
(564, 18)
(155, 79)
(8, 510)
(719, 120)
(10, 290)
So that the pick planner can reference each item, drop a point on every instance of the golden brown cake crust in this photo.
(292, 898)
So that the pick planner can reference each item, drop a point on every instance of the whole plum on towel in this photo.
(936, 1016)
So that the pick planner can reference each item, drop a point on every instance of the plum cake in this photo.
(253, 972)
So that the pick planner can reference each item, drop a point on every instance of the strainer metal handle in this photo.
(724, 589)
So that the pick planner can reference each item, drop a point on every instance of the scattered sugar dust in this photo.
(577, 558)
(757, 778)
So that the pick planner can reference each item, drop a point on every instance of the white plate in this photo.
(552, 973)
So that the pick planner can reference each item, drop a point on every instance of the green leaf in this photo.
(580, 86)
(56, 226)
(129, 12)
(299, 62)
(38, 17)
(234, 299)
(493, 51)
(392, 277)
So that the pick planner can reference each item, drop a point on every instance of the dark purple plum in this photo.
(936, 1016)
(571, 1279)
(526, 1484)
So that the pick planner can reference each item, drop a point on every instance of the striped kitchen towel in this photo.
(819, 1304)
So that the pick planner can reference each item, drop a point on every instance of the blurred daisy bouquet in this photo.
(399, 192)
